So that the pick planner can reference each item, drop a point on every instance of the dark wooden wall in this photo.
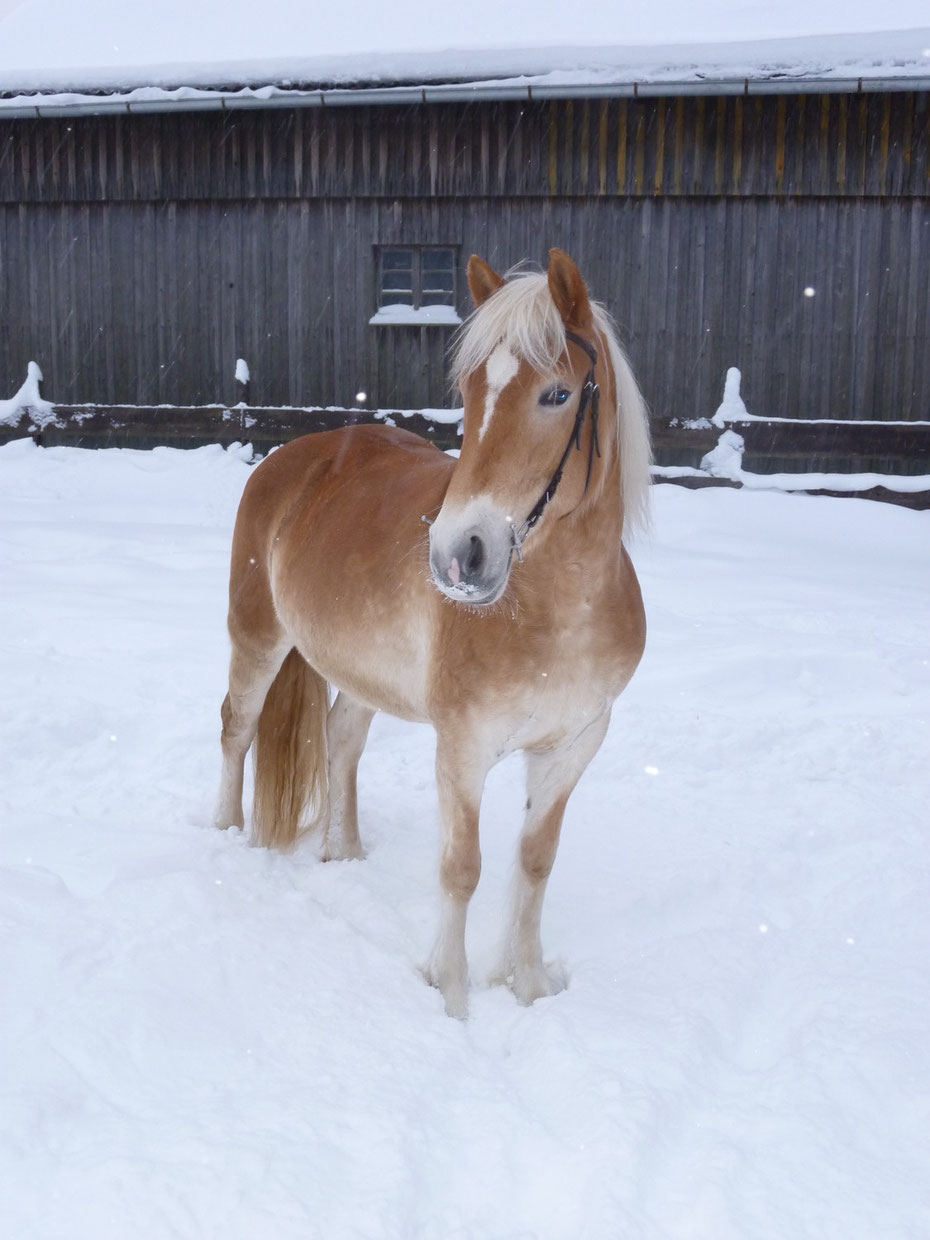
(140, 256)
(781, 145)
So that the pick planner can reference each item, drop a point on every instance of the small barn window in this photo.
(416, 284)
(398, 286)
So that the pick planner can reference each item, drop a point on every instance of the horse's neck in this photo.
(592, 532)
(601, 508)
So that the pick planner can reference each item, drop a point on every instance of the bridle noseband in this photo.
(590, 399)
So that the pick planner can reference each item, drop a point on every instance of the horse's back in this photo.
(308, 470)
(301, 462)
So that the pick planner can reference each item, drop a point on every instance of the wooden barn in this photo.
(773, 221)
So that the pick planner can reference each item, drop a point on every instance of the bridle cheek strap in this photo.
(590, 399)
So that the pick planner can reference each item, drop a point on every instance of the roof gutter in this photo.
(193, 100)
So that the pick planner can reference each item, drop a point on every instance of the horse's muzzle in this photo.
(470, 565)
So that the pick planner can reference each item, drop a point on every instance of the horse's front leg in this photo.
(551, 776)
(460, 776)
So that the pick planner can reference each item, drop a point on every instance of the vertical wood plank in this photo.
(622, 129)
(659, 178)
(602, 148)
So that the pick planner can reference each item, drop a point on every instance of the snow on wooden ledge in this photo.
(395, 316)
(28, 401)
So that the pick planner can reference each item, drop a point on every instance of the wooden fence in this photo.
(898, 452)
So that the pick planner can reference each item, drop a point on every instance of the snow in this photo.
(445, 417)
(28, 400)
(200, 1038)
(54, 45)
(395, 316)
(905, 484)
(732, 407)
(242, 370)
(47, 33)
(726, 460)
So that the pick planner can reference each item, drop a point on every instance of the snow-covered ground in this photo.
(200, 1039)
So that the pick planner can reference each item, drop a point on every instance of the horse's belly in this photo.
(380, 676)
(373, 644)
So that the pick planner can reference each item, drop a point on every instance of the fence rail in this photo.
(848, 453)
(802, 446)
(193, 426)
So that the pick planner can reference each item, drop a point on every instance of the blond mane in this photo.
(523, 315)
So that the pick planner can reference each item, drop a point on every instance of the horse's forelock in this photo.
(522, 315)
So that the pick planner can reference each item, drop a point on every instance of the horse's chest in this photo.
(593, 639)
(546, 681)
(583, 679)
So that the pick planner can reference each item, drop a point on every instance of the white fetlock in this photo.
(452, 984)
(226, 816)
(228, 807)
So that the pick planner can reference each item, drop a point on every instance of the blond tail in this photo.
(290, 755)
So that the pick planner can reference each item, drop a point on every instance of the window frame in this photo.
(418, 310)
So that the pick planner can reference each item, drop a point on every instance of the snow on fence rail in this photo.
(877, 460)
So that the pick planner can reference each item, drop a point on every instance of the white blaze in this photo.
(499, 369)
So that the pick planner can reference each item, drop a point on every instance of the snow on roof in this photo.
(191, 53)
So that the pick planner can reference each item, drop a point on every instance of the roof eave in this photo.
(195, 100)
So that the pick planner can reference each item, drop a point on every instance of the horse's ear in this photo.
(568, 290)
(483, 280)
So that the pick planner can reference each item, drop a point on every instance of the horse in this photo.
(491, 596)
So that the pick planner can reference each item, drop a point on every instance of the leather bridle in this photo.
(590, 399)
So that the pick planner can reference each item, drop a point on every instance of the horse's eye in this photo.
(554, 397)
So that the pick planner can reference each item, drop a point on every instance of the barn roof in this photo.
(106, 55)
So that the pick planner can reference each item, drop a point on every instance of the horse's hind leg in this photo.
(251, 673)
(347, 727)
(551, 776)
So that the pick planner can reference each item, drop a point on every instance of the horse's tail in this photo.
(290, 755)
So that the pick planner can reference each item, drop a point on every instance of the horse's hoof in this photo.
(339, 852)
(531, 984)
(454, 993)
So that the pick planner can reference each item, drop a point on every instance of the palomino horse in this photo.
(513, 624)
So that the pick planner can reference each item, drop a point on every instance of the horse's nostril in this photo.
(474, 561)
